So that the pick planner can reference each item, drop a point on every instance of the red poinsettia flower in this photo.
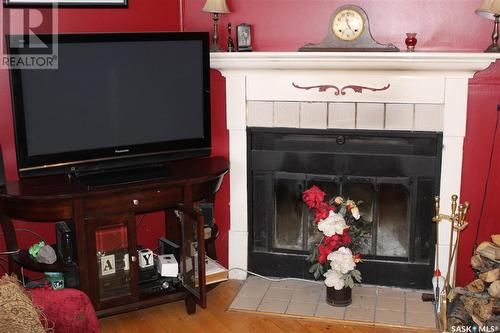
(323, 253)
(313, 197)
(346, 237)
(322, 211)
(333, 242)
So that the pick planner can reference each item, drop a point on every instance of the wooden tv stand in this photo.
(104, 225)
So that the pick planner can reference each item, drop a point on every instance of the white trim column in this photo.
(236, 124)
(455, 117)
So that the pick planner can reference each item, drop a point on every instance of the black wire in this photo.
(32, 232)
(17, 251)
(487, 181)
(8, 253)
(28, 230)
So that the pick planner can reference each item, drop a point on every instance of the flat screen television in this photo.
(116, 100)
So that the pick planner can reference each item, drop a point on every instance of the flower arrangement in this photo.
(335, 256)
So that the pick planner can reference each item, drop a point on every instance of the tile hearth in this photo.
(371, 304)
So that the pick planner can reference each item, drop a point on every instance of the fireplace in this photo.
(395, 174)
(387, 92)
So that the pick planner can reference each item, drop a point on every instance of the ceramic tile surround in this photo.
(386, 91)
(370, 304)
(322, 115)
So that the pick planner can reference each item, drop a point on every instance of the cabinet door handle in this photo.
(135, 202)
(133, 258)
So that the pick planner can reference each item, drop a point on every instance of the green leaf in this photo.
(313, 268)
(348, 281)
(356, 275)
(313, 254)
(317, 274)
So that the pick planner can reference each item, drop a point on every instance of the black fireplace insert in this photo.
(394, 173)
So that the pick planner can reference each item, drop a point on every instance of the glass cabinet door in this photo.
(192, 265)
(114, 258)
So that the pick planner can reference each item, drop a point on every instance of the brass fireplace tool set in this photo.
(457, 224)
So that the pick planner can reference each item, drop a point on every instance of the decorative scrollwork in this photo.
(341, 91)
(359, 89)
(321, 88)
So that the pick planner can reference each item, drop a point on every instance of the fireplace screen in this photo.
(385, 205)
(394, 175)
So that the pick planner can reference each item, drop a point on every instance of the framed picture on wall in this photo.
(243, 37)
(66, 3)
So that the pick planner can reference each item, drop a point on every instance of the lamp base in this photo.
(493, 48)
(215, 48)
(215, 38)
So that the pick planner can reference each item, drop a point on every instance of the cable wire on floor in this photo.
(273, 279)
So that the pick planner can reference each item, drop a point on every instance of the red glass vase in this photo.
(411, 41)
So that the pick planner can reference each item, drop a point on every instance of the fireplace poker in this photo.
(457, 224)
(437, 280)
(452, 218)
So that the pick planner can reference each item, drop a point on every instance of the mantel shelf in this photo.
(373, 61)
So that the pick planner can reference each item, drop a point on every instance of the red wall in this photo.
(141, 15)
(286, 25)
(444, 25)
(481, 156)
(220, 147)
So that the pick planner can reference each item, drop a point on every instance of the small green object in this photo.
(33, 250)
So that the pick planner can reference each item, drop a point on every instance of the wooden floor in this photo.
(173, 318)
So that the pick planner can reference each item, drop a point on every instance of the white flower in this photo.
(333, 224)
(353, 208)
(355, 212)
(342, 260)
(334, 279)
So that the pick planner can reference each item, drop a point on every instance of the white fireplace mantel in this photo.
(433, 86)
(246, 62)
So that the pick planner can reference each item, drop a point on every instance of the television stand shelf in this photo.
(104, 226)
(119, 176)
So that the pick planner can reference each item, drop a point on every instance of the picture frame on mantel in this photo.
(243, 37)
(66, 3)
